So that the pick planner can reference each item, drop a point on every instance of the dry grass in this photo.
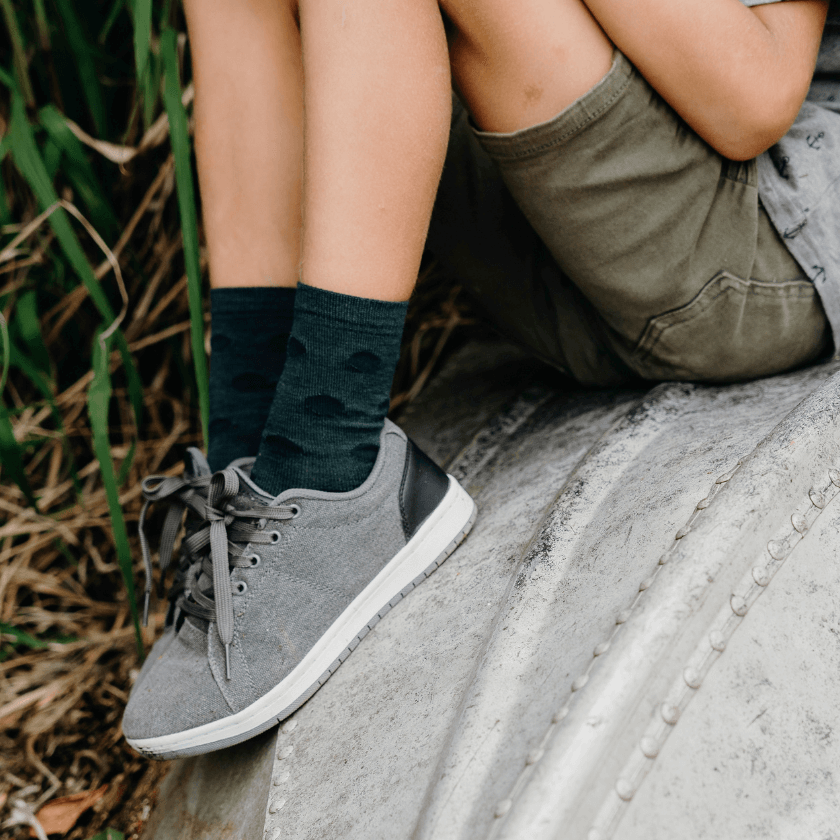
(63, 689)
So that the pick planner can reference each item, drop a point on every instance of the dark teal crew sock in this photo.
(250, 329)
(323, 429)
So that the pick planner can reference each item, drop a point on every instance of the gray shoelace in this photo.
(214, 548)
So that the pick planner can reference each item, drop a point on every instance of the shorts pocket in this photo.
(735, 329)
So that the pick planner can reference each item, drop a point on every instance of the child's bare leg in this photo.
(520, 64)
(377, 96)
(249, 137)
(249, 145)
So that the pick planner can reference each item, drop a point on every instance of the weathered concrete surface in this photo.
(477, 709)
(222, 795)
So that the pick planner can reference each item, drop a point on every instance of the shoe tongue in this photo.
(195, 463)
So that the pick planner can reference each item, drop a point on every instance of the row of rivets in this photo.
(623, 786)
(669, 712)
(284, 775)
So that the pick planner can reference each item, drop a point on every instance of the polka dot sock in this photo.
(323, 429)
(248, 348)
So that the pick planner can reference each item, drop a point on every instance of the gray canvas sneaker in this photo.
(283, 589)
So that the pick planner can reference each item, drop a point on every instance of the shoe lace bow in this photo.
(217, 544)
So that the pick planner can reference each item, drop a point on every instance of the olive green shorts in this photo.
(616, 244)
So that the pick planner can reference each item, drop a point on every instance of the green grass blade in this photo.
(29, 325)
(5, 212)
(99, 398)
(11, 454)
(42, 25)
(78, 171)
(21, 637)
(113, 14)
(186, 205)
(31, 166)
(142, 35)
(109, 834)
(83, 57)
(18, 51)
(151, 89)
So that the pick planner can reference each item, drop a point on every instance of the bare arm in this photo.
(738, 76)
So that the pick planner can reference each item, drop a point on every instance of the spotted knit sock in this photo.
(250, 329)
(323, 429)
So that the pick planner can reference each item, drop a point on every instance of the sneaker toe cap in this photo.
(177, 693)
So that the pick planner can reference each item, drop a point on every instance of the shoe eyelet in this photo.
(295, 511)
(255, 560)
(275, 537)
(241, 587)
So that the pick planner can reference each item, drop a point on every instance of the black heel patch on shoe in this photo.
(423, 486)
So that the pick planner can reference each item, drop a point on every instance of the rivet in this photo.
(817, 498)
(649, 746)
(646, 584)
(670, 713)
(276, 806)
(682, 532)
(600, 649)
(281, 779)
(533, 757)
(623, 616)
(703, 504)
(761, 575)
(580, 682)
(835, 477)
(624, 789)
(717, 640)
(692, 677)
(739, 605)
(285, 752)
(503, 807)
(290, 726)
(664, 559)
(799, 522)
(559, 715)
(778, 549)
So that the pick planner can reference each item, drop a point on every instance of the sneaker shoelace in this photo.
(214, 548)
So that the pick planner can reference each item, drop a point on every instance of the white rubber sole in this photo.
(436, 539)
